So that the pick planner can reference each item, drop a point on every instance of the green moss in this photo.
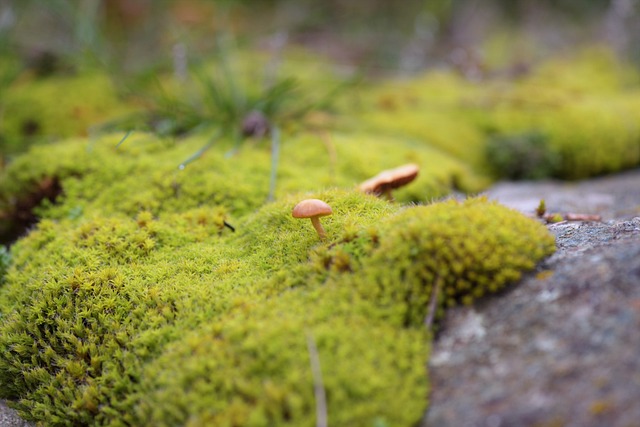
(174, 319)
(522, 156)
(586, 109)
(5, 261)
(467, 250)
(133, 302)
(252, 367)
(431, 109)
(588, 70)
(142, 174)
(583, 106)
(56, 107)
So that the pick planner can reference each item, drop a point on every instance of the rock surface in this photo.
(563, 347)
(9, 417)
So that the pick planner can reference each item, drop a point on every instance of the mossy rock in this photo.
(174, 319)
(134, 301)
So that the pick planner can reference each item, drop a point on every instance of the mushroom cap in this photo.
(311, 208)
(390, 179)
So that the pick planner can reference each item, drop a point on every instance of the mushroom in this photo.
(390, 179)
(314, 209)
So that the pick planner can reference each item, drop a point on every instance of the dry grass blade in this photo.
(433, 303)
(318, 385)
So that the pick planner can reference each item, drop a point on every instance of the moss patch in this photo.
(56, 107)
(584, 108)
(142, 174)
(176, 319)
(133, 302)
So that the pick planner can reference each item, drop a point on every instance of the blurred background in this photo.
(132, 42)
(380, 36)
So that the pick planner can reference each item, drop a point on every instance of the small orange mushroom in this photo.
(313, 209)
(389, 180)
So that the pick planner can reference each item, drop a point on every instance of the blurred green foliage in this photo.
(5, 261)
(522, 156)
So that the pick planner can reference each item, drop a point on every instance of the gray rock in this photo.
(10, 418)
(562, 348)
(613, 197)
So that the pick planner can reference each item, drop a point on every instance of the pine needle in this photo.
(126, 135)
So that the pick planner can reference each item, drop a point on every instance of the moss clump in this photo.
(522, 156)
(73, 309)
(56, 107)
(251, 367)
(131, 302)
(586, 109)
(107, 294)
(142, 174)
(467, 250)
(435, 110)
(174, 319)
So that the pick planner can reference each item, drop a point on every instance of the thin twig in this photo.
(428, 321)
(318, 386)
(581, 217)
(551, 217)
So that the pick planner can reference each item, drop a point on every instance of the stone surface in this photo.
(613, 197)
(9, 417)
(562, 348)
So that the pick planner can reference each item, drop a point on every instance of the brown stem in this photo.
(316, 224)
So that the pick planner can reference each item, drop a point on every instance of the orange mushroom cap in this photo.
(389, 179)
(311, 208)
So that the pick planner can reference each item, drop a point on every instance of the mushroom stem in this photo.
(316, 224)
